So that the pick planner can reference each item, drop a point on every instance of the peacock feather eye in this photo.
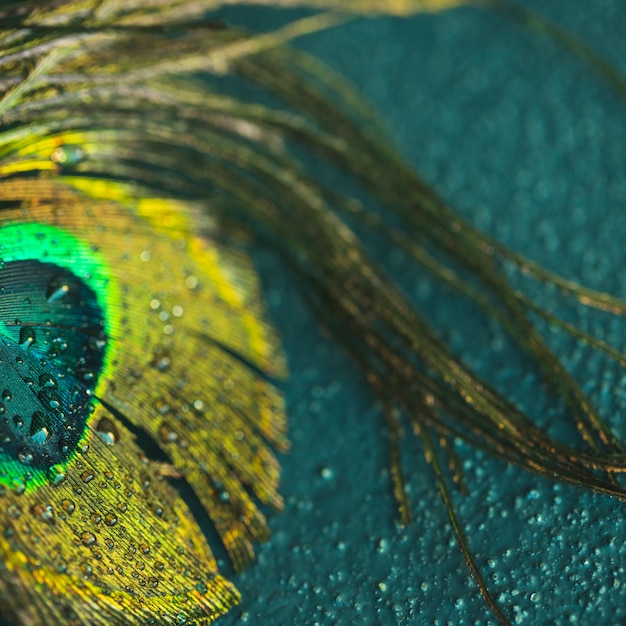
(53, 348)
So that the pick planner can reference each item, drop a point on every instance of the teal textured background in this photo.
(527, 143)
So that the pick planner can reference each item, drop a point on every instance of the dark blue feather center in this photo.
(52, 345)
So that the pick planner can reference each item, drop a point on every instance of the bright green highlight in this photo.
(49, 244)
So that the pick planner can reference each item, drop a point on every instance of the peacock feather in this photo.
(112, 309)
(135, 348)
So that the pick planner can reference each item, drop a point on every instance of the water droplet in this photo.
(167, 434)
(162, 407)
(14, 511)
(40, 437)
(145, 548)
(60, 345)
(7, 396)
(87, 538)
(39, 428)
(161, 361)
(60, 565)
(25, 456)
(54, 402)
(107, 431)
(57, 290)
(153, 582)
(87, 476)
(27, 337)
(97, 343)
(43, 512)
(191, 282)
(68, 156)
(110, 519)
(18, 486)
(68, 506)
(56, 474)
(45, 380)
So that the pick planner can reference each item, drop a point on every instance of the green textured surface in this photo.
(527, 143)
